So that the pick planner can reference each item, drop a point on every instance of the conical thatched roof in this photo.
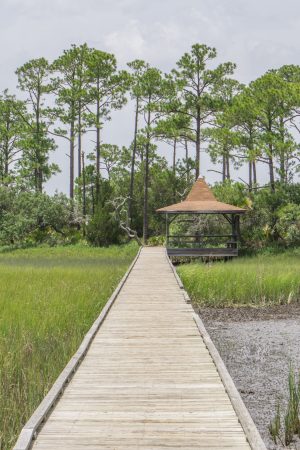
(201, 200)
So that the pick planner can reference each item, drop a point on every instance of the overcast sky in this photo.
(255, 34)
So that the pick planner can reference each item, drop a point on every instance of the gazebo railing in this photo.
(201, 241)
(203, 244)
(203, 252)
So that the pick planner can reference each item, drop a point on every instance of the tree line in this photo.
(196, 107)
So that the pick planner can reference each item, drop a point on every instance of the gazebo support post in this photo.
(234, 225)
(167, 230)
(238, 230)
(168, 223)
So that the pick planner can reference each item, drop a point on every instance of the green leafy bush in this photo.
(231, 192)
(288, 225)
(103, 228)
(156, 240)
(28, 218)
(272, 218)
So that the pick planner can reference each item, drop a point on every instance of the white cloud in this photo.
(128, 43)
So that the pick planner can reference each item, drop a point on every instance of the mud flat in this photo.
(258, 345)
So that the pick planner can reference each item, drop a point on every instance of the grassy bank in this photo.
(49, 298)
(256, 280)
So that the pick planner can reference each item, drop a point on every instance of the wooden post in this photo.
(234, 224)
(234, 230)
(238, 230)
(167, 230)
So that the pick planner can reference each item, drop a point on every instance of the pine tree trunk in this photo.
(5, 166)
(79, 140)
(83, 186)
(271, 169)
(252, 168)
(146, 179)
(198, 143)
(187, 161)
(35, 179)
(223, 168)
(40, 178)
(254, 172)
(250, 176)
(131, 188)
(227, 168)
(174, 156)
(72, 160)
(270, 158)
(282, 154)
(174, 168)
(38, 170)
(93, 199)
(5, 169)
(282, 168)
(98, 149)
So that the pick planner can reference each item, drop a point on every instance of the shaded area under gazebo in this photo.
(201, 200)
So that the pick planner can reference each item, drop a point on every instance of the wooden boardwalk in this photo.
(148, 381)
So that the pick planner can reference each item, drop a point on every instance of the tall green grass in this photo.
(257, 280)
(49, 298)
(285, 431)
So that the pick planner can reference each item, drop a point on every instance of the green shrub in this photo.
(231, 192)
(29, 218)
(156, 240)
(103, 228)
(288, 225)
(272, 218)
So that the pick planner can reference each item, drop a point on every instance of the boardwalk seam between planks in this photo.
(252, 434)
(30, 429)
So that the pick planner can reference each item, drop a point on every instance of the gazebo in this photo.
(201, 200)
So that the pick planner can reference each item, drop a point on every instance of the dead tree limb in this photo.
(119, 211)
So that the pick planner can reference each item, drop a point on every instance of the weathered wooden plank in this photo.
(147, 381)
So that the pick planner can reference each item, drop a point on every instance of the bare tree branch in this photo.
(119, 207)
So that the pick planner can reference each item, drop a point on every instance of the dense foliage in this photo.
(197, 107)
(33, 217)
(272, 218)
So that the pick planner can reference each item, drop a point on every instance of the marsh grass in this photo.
(49, 298)
(285, 431)
(257, 280)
